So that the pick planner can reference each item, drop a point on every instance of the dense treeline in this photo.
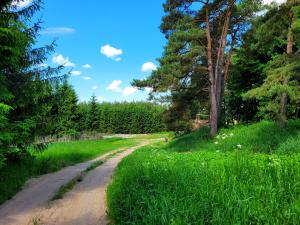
(66, 116)
(125, 118)
(236, 61)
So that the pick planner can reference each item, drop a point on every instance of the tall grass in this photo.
(263, 137)
(246, 175)
(55, 157)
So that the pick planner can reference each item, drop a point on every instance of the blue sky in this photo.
(119, 40)
(116, 38)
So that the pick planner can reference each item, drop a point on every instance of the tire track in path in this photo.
(83, 205)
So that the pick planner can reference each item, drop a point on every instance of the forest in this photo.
(233, 64)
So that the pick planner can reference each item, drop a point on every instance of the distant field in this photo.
(55, 157)
(246, 175)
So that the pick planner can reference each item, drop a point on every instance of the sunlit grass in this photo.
(250, 176)
(62, 154)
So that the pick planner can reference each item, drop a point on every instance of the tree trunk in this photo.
(213, 117)
(283, 105)
(284, 97)
(221, 109)
(219, 67)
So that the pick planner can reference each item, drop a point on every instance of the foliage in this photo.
(65, 116)
(93, 117)
(64, 110)
(130, 118)
(222, 183)
(261, 65)
(23, 82)
(269, 93)
(183, 74)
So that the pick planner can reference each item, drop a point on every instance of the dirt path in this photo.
(84, 205)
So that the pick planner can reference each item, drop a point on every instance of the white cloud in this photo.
(148, 67)
(75, 73)
(86, 66)
(129, 91)
(58, 30)
(111, 52)
(267, 2)
(100, 99)
(61, 61)
(115, 86)
(148, 89)
(21, 4)
(86, 78)
(95, 87)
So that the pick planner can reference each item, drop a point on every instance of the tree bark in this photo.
(284, 97)
(219, 67)
(212, 82)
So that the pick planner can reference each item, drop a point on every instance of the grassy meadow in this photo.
(55, 157)
(245, 175)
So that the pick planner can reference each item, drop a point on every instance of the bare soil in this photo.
(83, 205)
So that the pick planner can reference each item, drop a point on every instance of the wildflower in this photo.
(239, 146)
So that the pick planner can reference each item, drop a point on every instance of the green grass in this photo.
(55, 157)
(66, 187)
(250, 176)
(263, 137)
(59, 155)
(94, 165)
(159, 135)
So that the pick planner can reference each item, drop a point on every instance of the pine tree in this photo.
(93, 115)
(23, 82)
(281, 86)
(64, 111)
(200, 45)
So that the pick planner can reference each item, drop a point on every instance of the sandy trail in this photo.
(84, 205)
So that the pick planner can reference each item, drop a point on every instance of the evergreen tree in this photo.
(265, 40)
(23, 82)
(83, 111)
(65, 111)
(93, 115)
(281, 85)
(199, 50)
